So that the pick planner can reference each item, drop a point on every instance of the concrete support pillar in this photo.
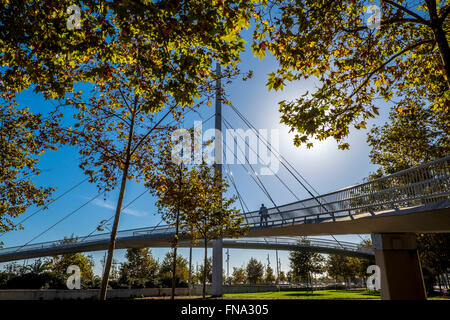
(217, 268)
(401, 274)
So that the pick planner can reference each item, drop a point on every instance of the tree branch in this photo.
(151, 130)
(387, 62)
(385, 23)
(406, 10)
(444, 14)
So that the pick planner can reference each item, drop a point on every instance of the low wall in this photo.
(53, 294)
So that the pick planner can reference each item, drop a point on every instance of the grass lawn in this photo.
(319, 294)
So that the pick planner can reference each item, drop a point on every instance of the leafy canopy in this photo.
(406, 60)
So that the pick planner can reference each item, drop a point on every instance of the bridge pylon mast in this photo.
(217, 261)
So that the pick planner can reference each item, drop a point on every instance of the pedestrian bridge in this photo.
(139, 239)
(414, 200)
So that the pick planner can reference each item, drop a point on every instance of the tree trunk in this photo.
(190, 269)
(439, 281)
(440, 37)
(177, 225)
(112, 241)
(204, 268)
(174, 263)
(446, 277)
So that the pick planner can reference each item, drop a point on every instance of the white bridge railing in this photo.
(418, 186)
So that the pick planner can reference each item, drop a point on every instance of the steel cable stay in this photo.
(269, 146)
(260, 184)
(43, 207)
(233, 182)
(251, 176)
(239, 196)
(109, 219)
(241, 200)
(61, 220)
(282, 160)
(228, 125)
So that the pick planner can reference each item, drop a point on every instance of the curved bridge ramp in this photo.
(412, 200)
(125, 241)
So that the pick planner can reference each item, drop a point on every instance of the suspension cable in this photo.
(282, 160)
(233, 181)
(109, 219)
(261, 184)
(269, 146)
(228, 125)
(241, 200)
(61, 220)
(43, 207)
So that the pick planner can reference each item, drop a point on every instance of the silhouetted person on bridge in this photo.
(264, 214)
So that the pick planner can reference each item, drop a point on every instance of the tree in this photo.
(39, 266)
(254, 271)
(414, 136)
(282, 277)
(269, 276)
(290, 276)
(124, 276)
(60, 263)
(166, 269)
(36, 275)
(335, 265)
(174, 190)
(24, 137)
(115, 268)
(360, 265)
(434, 252)
(406, 60)
(140, 265)
(163, 60)
(238, 276)
(357, 268)
(205, 273)
(213, 215)
(117, 141)
(347, 268)
(304, 263)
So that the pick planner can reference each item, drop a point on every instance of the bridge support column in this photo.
(401, 273)
(217, 268)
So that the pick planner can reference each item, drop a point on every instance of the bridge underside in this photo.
(165, 242)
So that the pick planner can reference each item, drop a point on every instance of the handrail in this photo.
(372, 182)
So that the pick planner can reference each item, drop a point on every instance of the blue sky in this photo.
(324, 166)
